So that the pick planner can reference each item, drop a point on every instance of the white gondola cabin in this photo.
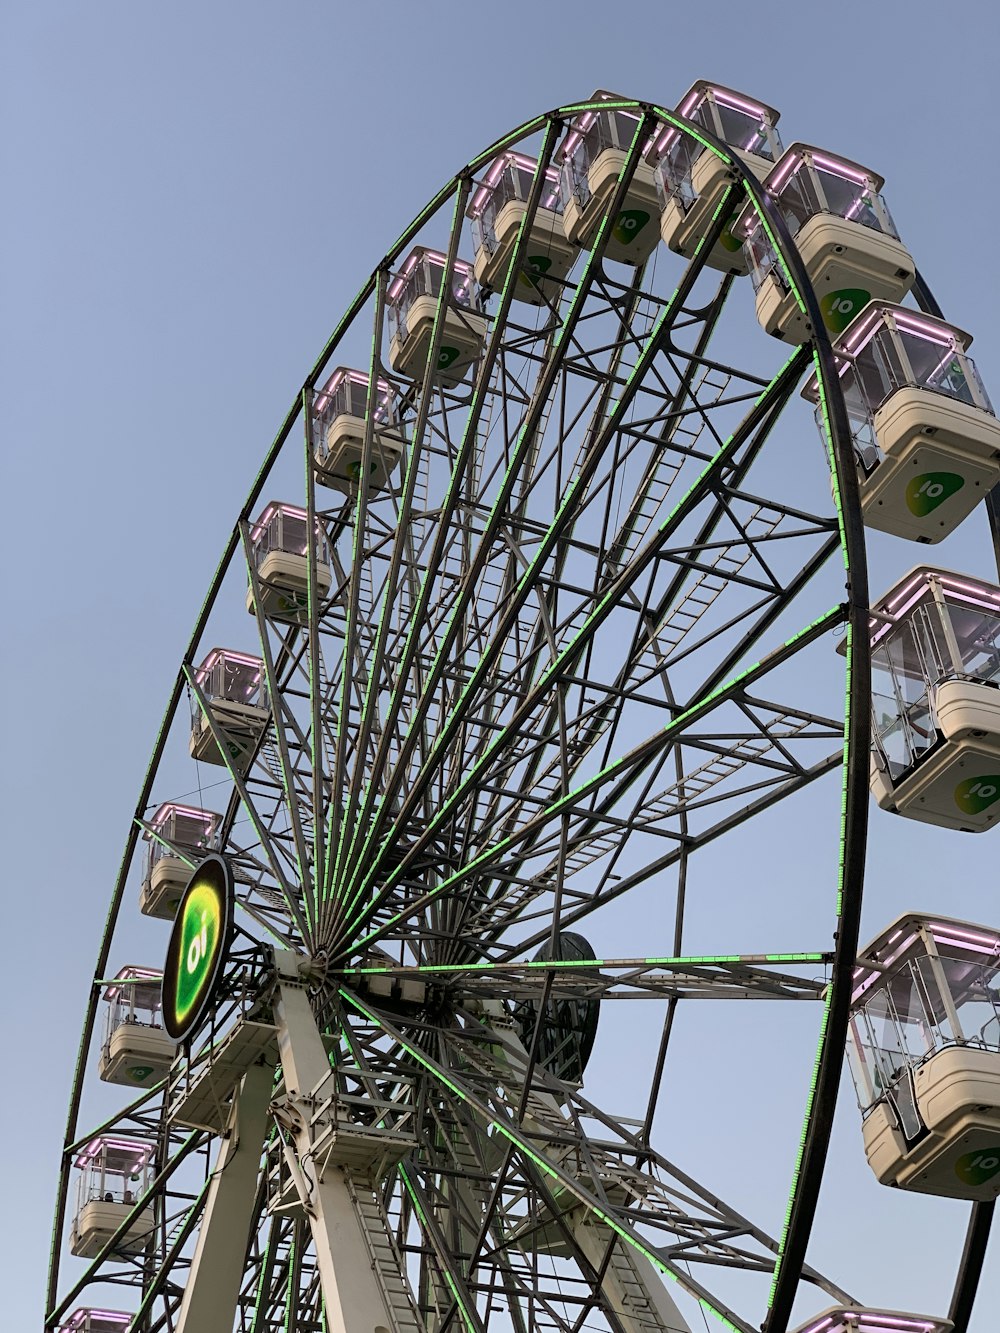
(89, 1320)
(924, 1049)
(135, 1050)
(591, 160)
(497, 209)
(926, 440)
(692, 180)
(279, 551)
(844, 233)
(114, 1175)
(178, 837)
(936, 700)
(413, 302)
(852, 1319)
(233, 684)
(341, 411)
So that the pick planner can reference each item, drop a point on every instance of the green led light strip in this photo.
(151, 1295)
(267, 1263)
(366, 822)
(562, 964)
(153, 836)
(273, 696)
(478, 673)
(239, 782)
(358, 812)
(471, 1323)
(291, 1298)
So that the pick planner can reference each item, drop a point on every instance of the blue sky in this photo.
(193, 195)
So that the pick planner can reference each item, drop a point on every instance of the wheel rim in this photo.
(407, 799)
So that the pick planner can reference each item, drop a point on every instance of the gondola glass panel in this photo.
(844, 232)
(135, 1050)
(691, 179)
(926, 440)
(497, 209)
(279, 550)
(113, 1175)
(176, 832)
(591, 160)
(852, 1319)
(413, 301)
(936, 701)
(924, 1050)
(340, 413)
(237, 697)
(90, 1320)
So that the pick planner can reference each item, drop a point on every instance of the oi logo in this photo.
(839, 308)
(354, 467)
(199, 940)
(728, 241)
(537, 266)
(197, 943)
(975, 1168)
(629, 224)
(928, 490)
(975, 795)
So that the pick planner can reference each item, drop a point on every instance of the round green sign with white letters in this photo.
(197, 947)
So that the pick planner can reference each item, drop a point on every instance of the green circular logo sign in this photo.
(197, 947)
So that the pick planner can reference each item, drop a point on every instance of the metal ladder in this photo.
(662, 473)
(387, 1264)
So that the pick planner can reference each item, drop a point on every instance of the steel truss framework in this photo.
(585, 635)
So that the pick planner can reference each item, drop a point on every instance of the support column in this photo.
(352, 1295)
(217, 1271)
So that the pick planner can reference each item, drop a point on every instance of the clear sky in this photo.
(193, 193)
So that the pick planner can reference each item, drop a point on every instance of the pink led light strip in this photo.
(78, 1318)
(141, 1152)
(162, 816)
(871, 1321)
(435, 259)
(496, 171)
(132, 974)
(351, 376)
(226, 655)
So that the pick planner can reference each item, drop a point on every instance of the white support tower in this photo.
(213, 1287)
(364, 1287)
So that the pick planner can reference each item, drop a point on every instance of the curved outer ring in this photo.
(822, 1102)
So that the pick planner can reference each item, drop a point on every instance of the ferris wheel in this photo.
(546, 613)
